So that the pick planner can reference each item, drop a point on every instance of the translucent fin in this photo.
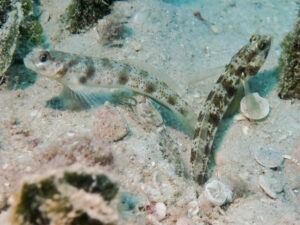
(79, 100)
(212, 73)
(75, 100)
(174, 120)
(235, 104)
(251, 104)
(125, 98)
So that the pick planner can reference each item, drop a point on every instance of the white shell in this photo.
(217, 192)
(160, 211)
(254, 107)
(268, 157)
(270, 185)
(193, 209)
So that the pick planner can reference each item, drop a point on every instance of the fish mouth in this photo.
(29, 63)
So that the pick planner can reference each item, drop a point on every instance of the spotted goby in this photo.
(245, 63)
(81, 73)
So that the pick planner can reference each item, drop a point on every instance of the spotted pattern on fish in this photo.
(243, 64)
(75, 72)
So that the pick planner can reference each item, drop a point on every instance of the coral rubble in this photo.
(110, 29)
(65, 197)
(290, 65)
(83, 14)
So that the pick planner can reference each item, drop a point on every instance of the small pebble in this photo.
(297, 162)
(151, 220)
(34, 113)
(137, 46)
(239, 117)
(207, 51)
(214, 29)
(111, 126)
(5, 166)
(3, 201)
(184, 221)
(245, 130)
(160, 211)
(147, 115)
(46, 17)
(70, 134)
(193, 209)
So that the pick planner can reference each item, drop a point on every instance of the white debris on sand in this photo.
(254, 107)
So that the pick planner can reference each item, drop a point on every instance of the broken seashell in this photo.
(269, 157)
(254, 107)
(297, 162)
(270, 185)
(217, 192)
(193, 209)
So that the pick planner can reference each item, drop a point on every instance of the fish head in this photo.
(46, 63)
(252, 56)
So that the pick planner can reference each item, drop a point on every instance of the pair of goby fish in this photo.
(76, 73)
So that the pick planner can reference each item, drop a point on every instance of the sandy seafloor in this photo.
(165, 37)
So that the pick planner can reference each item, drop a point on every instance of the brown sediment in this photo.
(83, 80)
(198, 15)
(171, 100)
(150, 87)
(90, 70)
(123, 77)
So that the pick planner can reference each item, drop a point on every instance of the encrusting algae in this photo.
(83, 14)
(9, 34)
(20, 31)
(66, 197)
(289, 85)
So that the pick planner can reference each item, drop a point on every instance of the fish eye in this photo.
(261, 45)
(44, 56)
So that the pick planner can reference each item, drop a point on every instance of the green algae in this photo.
(31, 31)
(25, 34)
(5, 6)
(32, 198)
(94, 184)
(289, 83)
(82, 14)
(27, 6)
(61, 196)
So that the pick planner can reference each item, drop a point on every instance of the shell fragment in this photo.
(254, 107)
(268, 157)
